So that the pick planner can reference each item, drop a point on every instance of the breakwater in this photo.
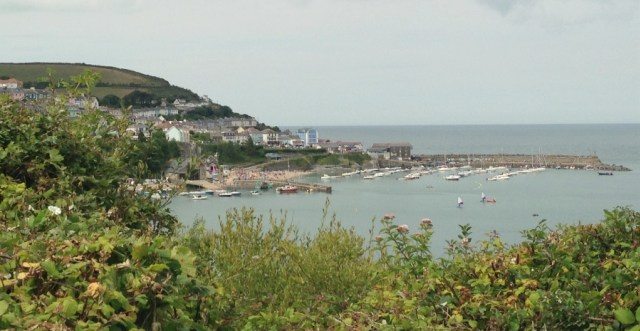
(518, 161)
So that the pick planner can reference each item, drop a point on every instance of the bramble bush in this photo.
(574, 277)
(78, 248)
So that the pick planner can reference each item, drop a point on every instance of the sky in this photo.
(358, 62)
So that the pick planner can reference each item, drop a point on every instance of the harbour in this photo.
(560, 196)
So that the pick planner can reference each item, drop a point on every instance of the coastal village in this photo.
(282, 145)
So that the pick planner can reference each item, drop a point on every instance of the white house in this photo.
(256, 136)
(271, 137)
(177, 134)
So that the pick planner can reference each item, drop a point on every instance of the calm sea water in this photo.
(559, 196)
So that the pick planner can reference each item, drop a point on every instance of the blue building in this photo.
(308, 136)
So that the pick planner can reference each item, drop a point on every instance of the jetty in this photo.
(251, 184)
(519, 161)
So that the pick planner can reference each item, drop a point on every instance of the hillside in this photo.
(116, 81)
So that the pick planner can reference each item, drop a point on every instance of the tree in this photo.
(111, 100)
(138, 99)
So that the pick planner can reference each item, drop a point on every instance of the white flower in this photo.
(55, 210)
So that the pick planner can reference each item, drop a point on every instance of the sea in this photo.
(553, 196)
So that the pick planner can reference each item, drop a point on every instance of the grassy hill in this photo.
(116, 81)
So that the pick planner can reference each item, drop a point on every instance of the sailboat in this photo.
(483, 197)
(460, 202)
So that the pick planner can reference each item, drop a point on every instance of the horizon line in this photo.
(486, 124)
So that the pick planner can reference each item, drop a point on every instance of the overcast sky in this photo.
(358, 62)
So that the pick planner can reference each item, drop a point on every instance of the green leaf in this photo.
(624, 316)
(50, 267)
(638, 314)
(54, 156)
(158, 267)
(69, 307)
(635, 328)
(139, 252)
(3, 307)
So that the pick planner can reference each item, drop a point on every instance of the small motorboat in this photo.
(413, 175)
(605, 173)
(460, 202)
(255, 192)
(224, 194)
(452, 177)
(499, 177)
(198, 197)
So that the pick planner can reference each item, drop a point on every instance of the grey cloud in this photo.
(566, 12)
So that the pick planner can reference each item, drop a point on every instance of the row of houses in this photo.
(232, 130)
(20, 94)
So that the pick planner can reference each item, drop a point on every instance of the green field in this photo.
(118, 81)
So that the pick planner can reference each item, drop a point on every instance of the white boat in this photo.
(452, 177)
(224, 194)
(378, 174)
(198, 197)
(255, 192)
(413, 175)
(369, 177)
(499, 177)
(325, 177)
(460, 202)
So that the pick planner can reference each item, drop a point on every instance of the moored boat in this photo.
(199, 197)
(452, 177)
(413, 175)
(499, 177)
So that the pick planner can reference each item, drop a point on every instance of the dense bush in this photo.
(575, 277)
(268, 275)
(78, 247)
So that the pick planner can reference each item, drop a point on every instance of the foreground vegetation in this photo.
(80, 250)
